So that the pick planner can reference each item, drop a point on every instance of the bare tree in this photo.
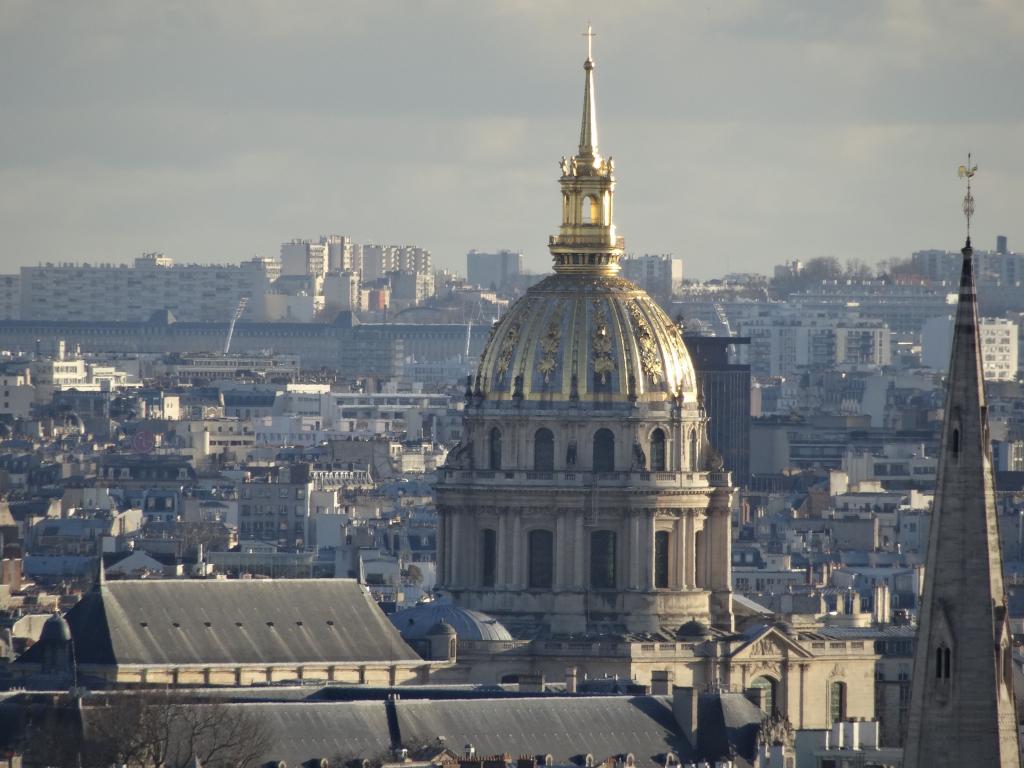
(154, 730)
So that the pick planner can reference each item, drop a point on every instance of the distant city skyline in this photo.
(744, 136)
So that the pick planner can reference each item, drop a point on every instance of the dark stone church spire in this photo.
(962, 704)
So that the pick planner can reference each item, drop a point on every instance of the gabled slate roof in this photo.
(564, 727)
(273, 621)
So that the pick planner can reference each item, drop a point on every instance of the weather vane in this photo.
(967, 172)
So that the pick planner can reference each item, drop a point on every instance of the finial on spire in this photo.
(967, 172)
(588, 130)
(589, 34)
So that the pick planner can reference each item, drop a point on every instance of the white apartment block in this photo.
(379, 260)
(661, 275)
(790, 341)
(192, 292)
(409, 289)
(16, 394)
(999, 346)
(343, 255)
(304, 257)
(341, 292)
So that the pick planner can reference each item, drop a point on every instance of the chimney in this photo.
(882, 605)
(684, 708)
(851, 733)
(661, 682)
(531, 683)
(570, 679)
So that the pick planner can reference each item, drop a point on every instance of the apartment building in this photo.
(999, 346)
(191, 292)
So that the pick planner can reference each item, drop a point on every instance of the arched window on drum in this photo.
(541, 554)
(658, 450)
(494, 449)
(543, 450)
(604, 451)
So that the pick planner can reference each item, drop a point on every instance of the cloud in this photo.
(750, 132)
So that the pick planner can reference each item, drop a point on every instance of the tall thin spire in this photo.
(586, 242)
(588, 127)
(962, 709)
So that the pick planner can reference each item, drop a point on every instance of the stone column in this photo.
(691, 552)
(648, 553)
(501, 567)
(449, 549)
(457, 560)
(719, 543)
(634, 551)
(517, 549)
(442, 549)
(678, 553)
(561, 551)
(803, 675)
(579, 554)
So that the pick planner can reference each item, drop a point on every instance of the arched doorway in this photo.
(769, 693)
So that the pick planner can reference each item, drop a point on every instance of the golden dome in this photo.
(595, 337)
(584, 333)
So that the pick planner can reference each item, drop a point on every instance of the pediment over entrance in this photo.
(770, 643)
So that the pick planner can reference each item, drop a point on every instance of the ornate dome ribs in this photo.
(593, 338)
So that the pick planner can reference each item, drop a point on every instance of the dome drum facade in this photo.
(584, 495)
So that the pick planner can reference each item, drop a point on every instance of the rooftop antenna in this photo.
(967, 172)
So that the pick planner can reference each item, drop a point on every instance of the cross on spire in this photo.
(590, 35)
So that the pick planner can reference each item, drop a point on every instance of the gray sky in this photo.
(744, 133)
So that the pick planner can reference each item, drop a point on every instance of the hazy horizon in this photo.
(743, 135)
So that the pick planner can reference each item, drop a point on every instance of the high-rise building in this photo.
(492, 269)
(379, 260)
(304, 257)
(962, 709)
(725, 388)
(661, 275)
(999, 346)
(343, 255)
(10, 297)
(788, 341)
(341, 292)
(410, 289)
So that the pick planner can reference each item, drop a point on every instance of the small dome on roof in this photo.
(55, 630)
(693, 628)
(419, 622)
(441, 628)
